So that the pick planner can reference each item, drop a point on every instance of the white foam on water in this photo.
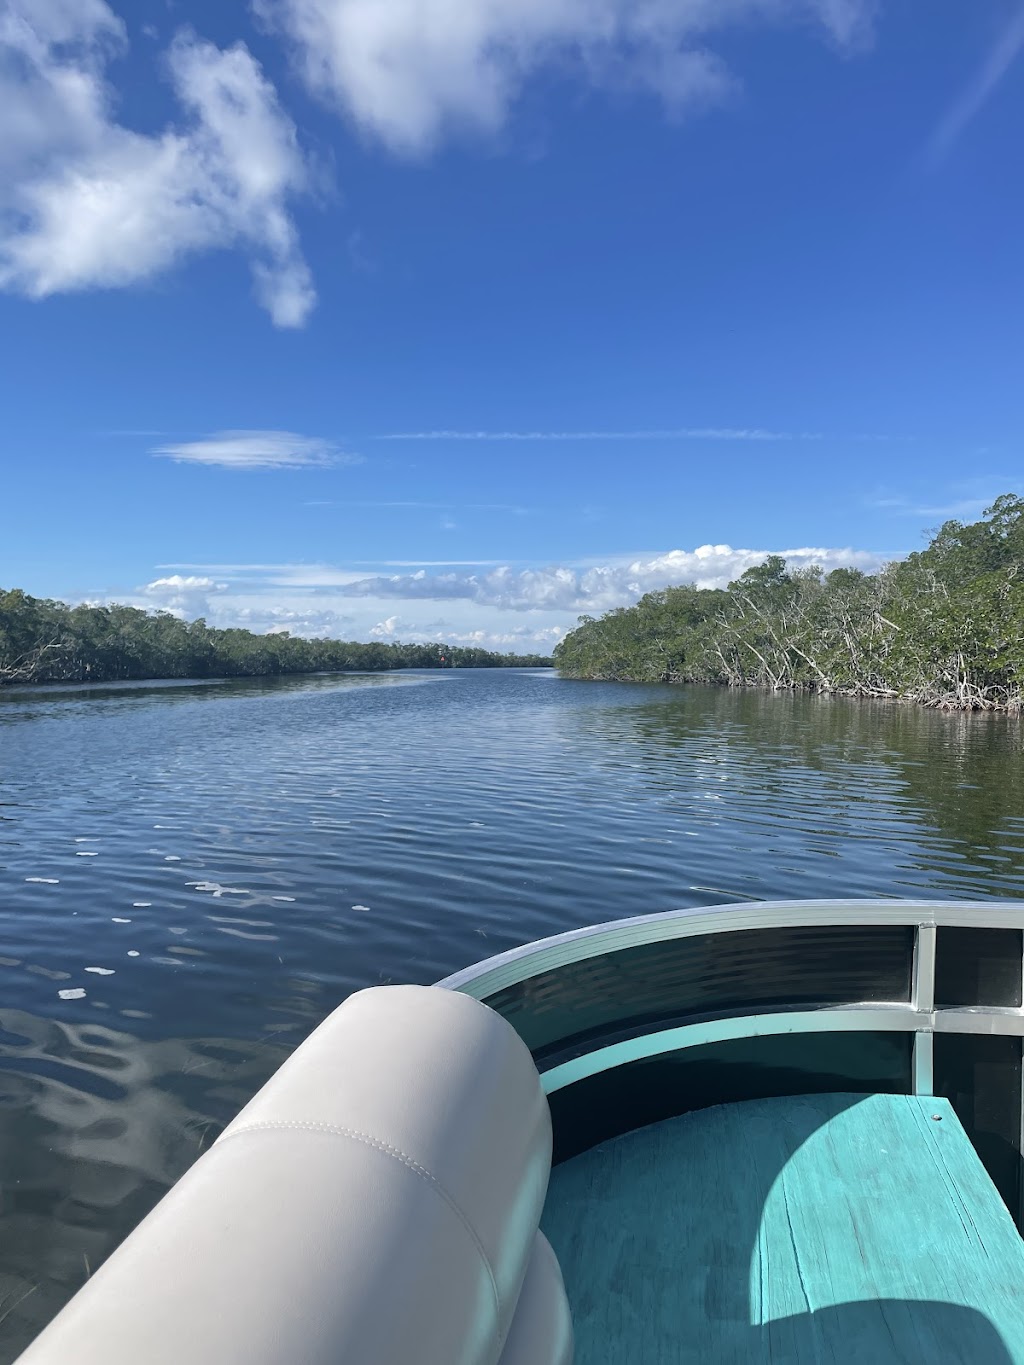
(133, 952)
(81, 854)
(172, 858)
(360, 907)
(45, 881)
(218, 890)
(282, 898)
(116, 919)
(82, 839)
(73, 993)
(101, 971)
(178, 931)
(141, 905)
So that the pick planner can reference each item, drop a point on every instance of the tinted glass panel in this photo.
(747, 971)
(980, 1074)
(645, 1092)
(978, 967)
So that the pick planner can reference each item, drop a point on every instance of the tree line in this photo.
(43, 641)
(944, 627)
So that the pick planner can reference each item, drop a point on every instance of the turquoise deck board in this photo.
(826, 1228)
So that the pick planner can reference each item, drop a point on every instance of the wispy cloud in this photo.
(966, 500)
(1004, 52)
(427, 506)
(227, 568)
(257, 450)
(435, 563)
(668, 434)
(964, 507)
(299, 569)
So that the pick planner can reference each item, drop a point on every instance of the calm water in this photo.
(211, 868)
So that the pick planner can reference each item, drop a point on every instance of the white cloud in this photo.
(598, 587)
(529, 639)
(504, 606)
(411, 71)
(257, 450)
(86, 202)
(307, 621)
(508, 607)
(178, 582)
(671, 434)
(184, 595)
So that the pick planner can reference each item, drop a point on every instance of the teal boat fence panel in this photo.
(637, 1020)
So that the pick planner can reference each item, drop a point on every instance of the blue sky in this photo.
(413, 318)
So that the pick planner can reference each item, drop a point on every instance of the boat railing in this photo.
(634, 1020)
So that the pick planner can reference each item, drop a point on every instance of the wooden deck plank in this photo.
(826, 1228)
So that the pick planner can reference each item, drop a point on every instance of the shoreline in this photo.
(1014, 708)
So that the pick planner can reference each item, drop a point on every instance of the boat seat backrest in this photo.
(377, 1202)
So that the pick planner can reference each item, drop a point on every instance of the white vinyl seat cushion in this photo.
(377, 1202)
(541, 1332)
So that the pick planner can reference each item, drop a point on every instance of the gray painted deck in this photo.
(827, 1228)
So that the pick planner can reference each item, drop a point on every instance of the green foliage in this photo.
(944, 626)
(46, 641)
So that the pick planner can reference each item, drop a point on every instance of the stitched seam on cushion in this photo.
(396, 1152)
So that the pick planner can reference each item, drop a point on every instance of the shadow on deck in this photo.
(852, 1229)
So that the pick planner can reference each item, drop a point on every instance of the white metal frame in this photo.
(920, 1016)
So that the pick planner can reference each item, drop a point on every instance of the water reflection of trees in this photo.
(960, 772)
(32, 703)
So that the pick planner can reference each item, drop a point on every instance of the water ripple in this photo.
(318, 835)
